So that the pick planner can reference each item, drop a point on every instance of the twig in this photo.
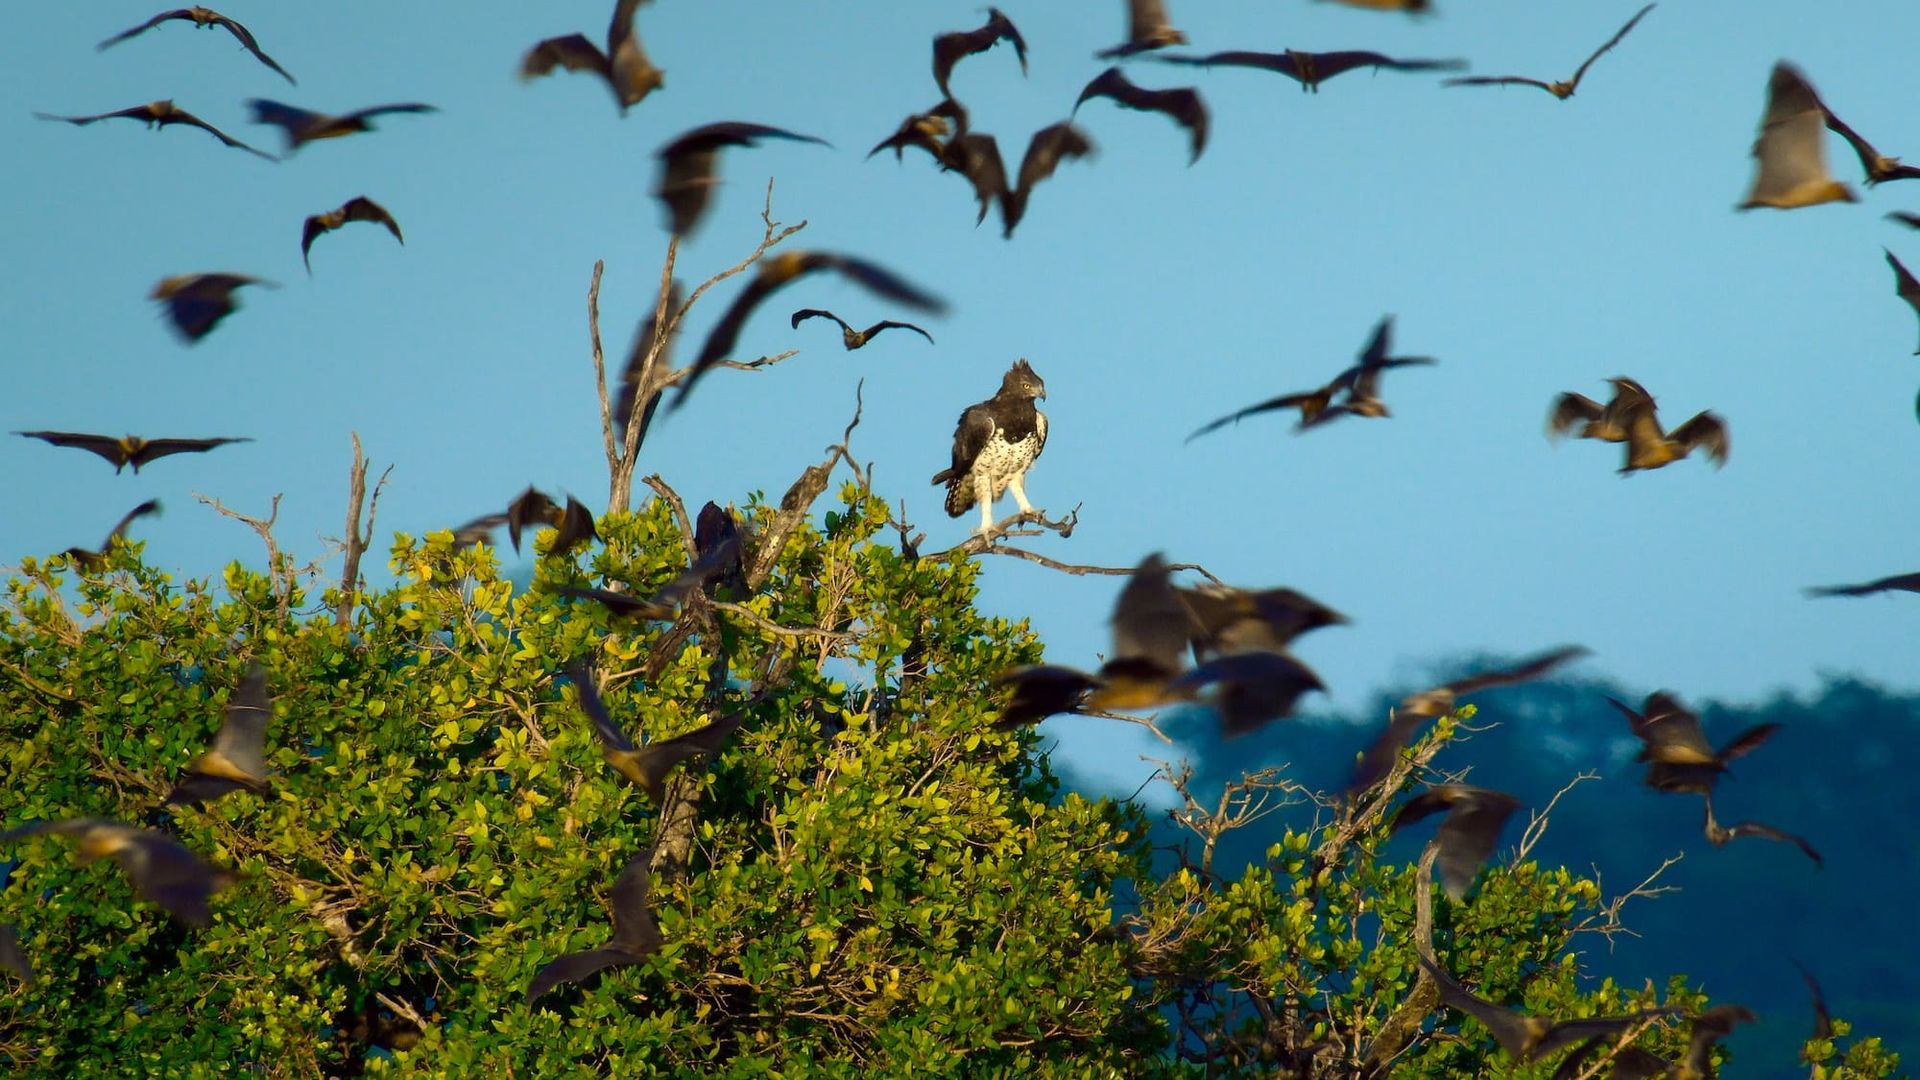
(600, 367)
(772, 627)
(1537, 819)
(357, 540)
(1606, 922)
(679, 509)
(1144, 721)
(36, 684)
(278, 566)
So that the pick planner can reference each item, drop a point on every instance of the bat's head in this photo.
(1021, 381)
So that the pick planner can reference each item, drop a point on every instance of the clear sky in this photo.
(1533, 246)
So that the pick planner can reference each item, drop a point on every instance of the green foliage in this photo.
(868, 881)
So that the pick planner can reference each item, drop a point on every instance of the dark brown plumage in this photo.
(237, 759)
(1676, 747)
(1361, 384)
(647, 766)
(1896, 583)
(1418, 708)
(1561, 90)
(624, 66)
(1719, 835)
(358, 208)
(1905, 286)
(1249, 689)
(1878, 166)
(647, 346)
(201, 18)
(1467, 835)
(158, 114)
(1529, 1038)
(1312, 69)
(1148, 28)
(776, 272)
(128, 449)
(1182, 105)
(636, 935)
(851, 338)
(949, 48)
(197, 302)
(161, 870)
(91, 561)
(300, 126)
(688, 166)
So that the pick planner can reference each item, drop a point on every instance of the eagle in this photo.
(995, 443)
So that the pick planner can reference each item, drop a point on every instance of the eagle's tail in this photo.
(959, 491)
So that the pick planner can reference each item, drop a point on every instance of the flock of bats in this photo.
(1239, 639)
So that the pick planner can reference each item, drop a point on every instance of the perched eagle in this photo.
(994, 445)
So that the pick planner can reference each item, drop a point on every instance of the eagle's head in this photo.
(1021, 382)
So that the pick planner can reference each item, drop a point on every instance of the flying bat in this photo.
(1312, 69)
(776, 272)
(1040, 691)
(1709, 1028)
(1529, 1038)
(647, 766)
(197, 302)
(300, 126)
(928, 131)
(358, 208)
(1377, 761)
(1719, 835)
(128, 449)
(1676, 747)
(1251, 688)
(530, 507)
(1911, 221)
(1182, 104)
(1822, 1019)
(1596, 421)
(1225, 619)
(90, 561)
(851, 338)
(1561, 90)
(1045, 151)
(688, 165)
(1791, 154)
(161, 870)
(1411, 7)
(1898, 582)
(574, 528)
(1148, 28)
(1904, 286)
(1361, 383)
(237, 758)
(713, 562)
(949, 48)
(158, 114)
(477, 531)
(645, 342)
(636, 935)
(1466, 835)
(201, 18)
(624, 66)
(12, 957)
(1878, 166)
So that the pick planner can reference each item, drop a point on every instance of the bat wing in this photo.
(242, 739)
(1822, 1019)
(1328, 64)
(1150, 622)
(1468, 835)
(1040, 691)
(575, 528)
(361, 208)
(1746, 742)
(177, 13)
(1704, 430)
(1255, 687)
(1862, 149)
(246, 39)
(12, 956)
(574, 52)
(159, 448)
(976, 156)
(531, 507)
(1768, 832)
(1525, 671)
(1570, 409)
(1286, 401)
(889, 324)
(1279, 63)
(653, 762)
(1049, 147)
(645, 343)
(106, 447)
(1379, 757)
(1611, 42)
(635, 931)
(611, 737)
(293, 122)
(1508, 1028)
(171, 876)
(1497, 80)
(876, 279)
(382, 110)
(620, 604)
(1791, 152)
(1567, 1032)
(1672, 733)
(576, 967)
(182, 116)
(312, 229)
(1904, 285)
(478, 530)
(145, 509)
(816, 313)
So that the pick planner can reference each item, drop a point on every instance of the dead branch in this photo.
(279, 564)
(1537, 819)
(1607, 922)
(1008, 527)
(357, 541)
(679, 509)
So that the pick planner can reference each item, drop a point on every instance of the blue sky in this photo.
(1533, 246)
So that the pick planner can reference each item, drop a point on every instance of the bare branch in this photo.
(1607, 922)
(1537, 819)
(600, 366)
(279, 565)
(679, 509)
(773, 235)
(357, 540)
(775, 628)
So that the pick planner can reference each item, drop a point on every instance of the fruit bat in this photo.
(358, 208)
(1561, 90)
(647, 766)
(1312, 69)
(624, 66)
(300, 126)
(160, 869)
(636, 935)
(128, 449)
(158, 114)
(688, 166)
(1148, 28)
(1791, 154)
(949, 48)
(1182, 105)
(196, 303)
(91, 561)
(1467, 835)
(201, 18)
(237, 758)
(851, 338)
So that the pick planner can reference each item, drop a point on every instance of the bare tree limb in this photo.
(1607, 922)
(357, 540)
(679, 509)
(1537, 819)
(279, 565)
(777, 629)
